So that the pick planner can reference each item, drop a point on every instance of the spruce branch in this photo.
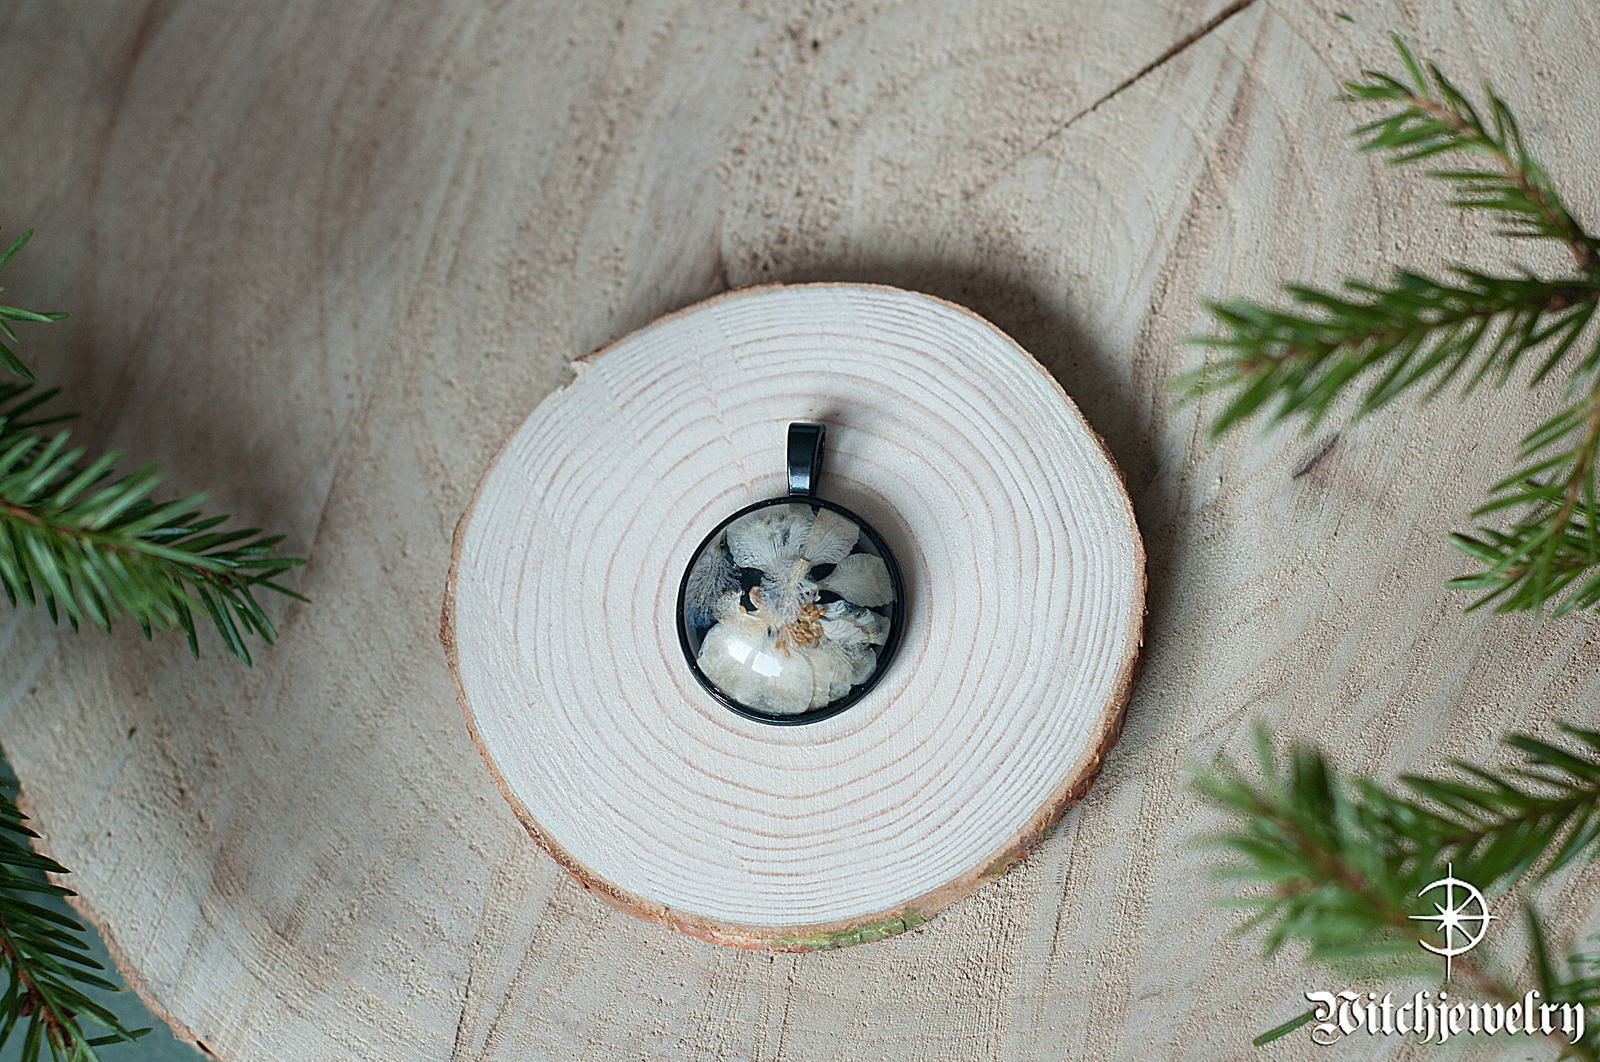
(1435, 118)
(1555, 543)
(1415, 333)
(1576, 981)
(1344, 860)
(1337, 879)
(1498, 825)
(8, 357)
(93, 545)
(46, 960)
(1394, 336)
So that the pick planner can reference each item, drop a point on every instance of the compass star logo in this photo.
(1456, 920)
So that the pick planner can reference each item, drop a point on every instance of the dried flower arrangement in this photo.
(786, 603)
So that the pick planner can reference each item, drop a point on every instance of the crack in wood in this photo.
(1177, 49)
(1327, 448)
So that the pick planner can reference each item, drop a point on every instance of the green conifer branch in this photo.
(8, 357)
(1392, 337)
(1435, 118)
(1344, 860)
(1554, 546)
(1499, 825)
(46, 960)
(94, 546)
(1575, 981)
(1419, 333)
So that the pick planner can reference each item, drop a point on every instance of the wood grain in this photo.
(326, 257)
(1025, 590)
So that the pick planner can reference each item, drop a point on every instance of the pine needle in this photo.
(1344, 860)
(1419, 334)
(94, 546)
(47, 961)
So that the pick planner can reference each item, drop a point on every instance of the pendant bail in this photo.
(805, 457)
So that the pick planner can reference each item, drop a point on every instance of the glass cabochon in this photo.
(790, 610)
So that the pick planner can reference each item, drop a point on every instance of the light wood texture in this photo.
(328, 256)
(1024, 583)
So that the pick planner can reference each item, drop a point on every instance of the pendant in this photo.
(792, 608)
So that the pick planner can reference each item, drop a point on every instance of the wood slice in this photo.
(325, 257)
(1025, 591)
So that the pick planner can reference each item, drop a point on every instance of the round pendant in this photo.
(792, 608)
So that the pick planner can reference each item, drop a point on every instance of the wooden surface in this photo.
(1023, 583)
(326, 257)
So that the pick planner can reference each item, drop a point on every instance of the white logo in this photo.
(1455, 919)
(1463, 918)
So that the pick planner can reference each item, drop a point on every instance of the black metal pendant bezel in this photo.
(803, 496)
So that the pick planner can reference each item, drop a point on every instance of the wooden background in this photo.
(325, 257)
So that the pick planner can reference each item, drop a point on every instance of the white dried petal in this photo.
(831, 539)
(850, 624)
(770, 539)
(739, 657)
(861, 579)
(832, 666)
(712, 576)
(848, 664)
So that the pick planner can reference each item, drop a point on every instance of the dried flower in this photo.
(790, 605)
